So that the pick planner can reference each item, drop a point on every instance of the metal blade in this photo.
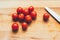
(57, 17)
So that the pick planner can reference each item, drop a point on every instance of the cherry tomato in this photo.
(15, 16)
(28, 18)
(24, 26)
(19, 10)
(46, 16)
(33, 15)
(31, 8)
(21, 16)
(23, 10)
(15, 27)
(26, 12)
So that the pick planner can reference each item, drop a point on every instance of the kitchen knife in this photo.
(57, 17)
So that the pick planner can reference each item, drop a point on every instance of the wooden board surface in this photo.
(24, 3)
(37, 30)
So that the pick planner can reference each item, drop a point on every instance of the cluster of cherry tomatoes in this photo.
(25, 16)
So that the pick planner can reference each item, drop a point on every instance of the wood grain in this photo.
(24, 3)
(37, 30)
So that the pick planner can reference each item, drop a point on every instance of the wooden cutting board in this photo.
(37, 30)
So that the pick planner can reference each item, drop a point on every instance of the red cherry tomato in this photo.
(28, 18)
(24, 26)
(25, 11)
(14, 16)
(33, 15)
(46, 16)
(31, 8)
(19, 10)
(15, 27)
(21, 16)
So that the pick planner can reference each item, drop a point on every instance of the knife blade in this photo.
(57, 17)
